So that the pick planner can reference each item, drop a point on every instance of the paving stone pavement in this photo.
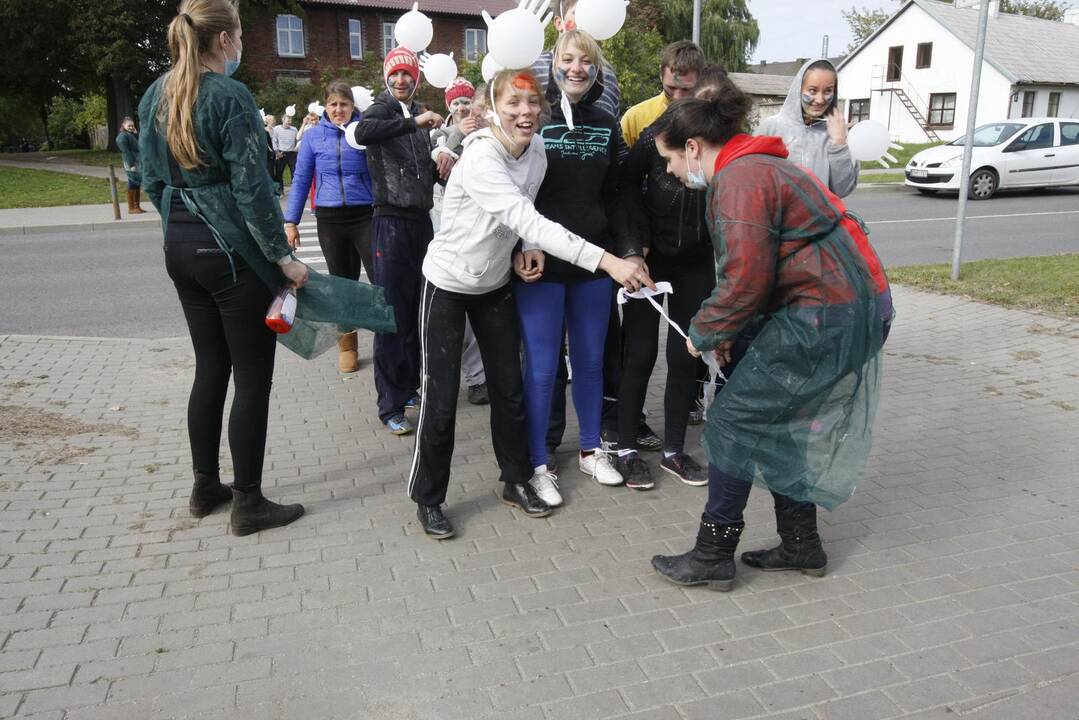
(952, 591)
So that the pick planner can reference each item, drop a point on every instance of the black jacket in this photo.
(663, 214)
(398, 157)
(580, 190)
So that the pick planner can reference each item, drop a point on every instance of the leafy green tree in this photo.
(729, 34)
(1044, 9)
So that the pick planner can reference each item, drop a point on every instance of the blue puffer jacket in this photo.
(338, 170)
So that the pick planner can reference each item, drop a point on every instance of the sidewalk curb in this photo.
(80, 227)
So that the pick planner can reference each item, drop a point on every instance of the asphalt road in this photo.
(115, 285)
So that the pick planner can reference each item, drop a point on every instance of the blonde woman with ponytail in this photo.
(203, 150)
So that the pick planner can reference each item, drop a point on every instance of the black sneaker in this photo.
(685, 469)
(433, 522)
(477, 394)
(696, 415)
(647, 438)
(634, 471)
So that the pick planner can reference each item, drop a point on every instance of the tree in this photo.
(39, 49)
(1044, 9)
(729, 33)
(863, 23)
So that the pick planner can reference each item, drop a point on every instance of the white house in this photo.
(913, 74)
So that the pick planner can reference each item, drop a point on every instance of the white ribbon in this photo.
(709, 357)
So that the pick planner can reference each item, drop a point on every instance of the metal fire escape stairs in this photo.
(907, 96)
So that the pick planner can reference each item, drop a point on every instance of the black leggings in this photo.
(344, 234)
(226, 319)
(692, 283)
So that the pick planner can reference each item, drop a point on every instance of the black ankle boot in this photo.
(252, 512)
(800, 546)
(208, 494)
(710, 562)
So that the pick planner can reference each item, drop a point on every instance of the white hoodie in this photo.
(487, 205)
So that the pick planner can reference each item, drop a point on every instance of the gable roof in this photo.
(761, 84)
(789, 68)
(1024, 49)
(441, 7)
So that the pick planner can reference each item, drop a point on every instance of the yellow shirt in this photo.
(641, 115)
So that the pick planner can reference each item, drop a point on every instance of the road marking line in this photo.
(973, 217)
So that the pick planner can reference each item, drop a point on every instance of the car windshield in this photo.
(990, 135)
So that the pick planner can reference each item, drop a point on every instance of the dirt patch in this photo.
(22, 423)
(1031, 355)
(1068, 331)
(1063, 405)
(24, 426)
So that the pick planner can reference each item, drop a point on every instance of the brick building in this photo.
(338, 33)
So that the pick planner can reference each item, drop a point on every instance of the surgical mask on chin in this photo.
(695, 179)
(232, 66)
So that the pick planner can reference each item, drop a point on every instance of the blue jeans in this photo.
(543, 307)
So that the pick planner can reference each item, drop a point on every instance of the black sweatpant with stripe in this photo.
(493, 317)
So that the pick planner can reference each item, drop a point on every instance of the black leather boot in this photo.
(252, 512)
(434, 523)
(208, 494)
(523, 497)
(800, 546)
(710, 562)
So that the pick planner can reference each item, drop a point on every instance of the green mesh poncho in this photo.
(233, 193)
(796, 415)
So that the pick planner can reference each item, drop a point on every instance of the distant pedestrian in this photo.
(813, 127)
(796, 414)
(128, 142)
(284, 145)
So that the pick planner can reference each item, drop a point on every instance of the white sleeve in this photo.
(488, 183)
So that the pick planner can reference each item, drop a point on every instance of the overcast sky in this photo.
(794, 28)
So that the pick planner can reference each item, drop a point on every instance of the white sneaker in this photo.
(545, 485)
(599, 467)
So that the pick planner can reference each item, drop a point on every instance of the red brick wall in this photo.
(327, 43)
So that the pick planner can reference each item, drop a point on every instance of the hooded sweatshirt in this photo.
(580, 190)
(809, 145)
(487, 205)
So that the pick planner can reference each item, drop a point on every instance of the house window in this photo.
(925, 55)
(1069, 133)
(895, 63)
(942, 109)
(289, 36)
(1054, 105)
(859, 110)
(475, 44)
(1028, 103)
(388, 41)
(355, 39)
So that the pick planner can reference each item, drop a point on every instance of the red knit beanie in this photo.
(401, 58)
(459, 88)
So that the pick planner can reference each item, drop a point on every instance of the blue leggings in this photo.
(585, 308)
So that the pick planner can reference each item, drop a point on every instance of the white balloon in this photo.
(601, 19)
(262, 114)
(290, 111)
(440, 70)
(311, 108)
(490, 67)
(362, 97)
(414, 30)
(515, 38)
(868, 140)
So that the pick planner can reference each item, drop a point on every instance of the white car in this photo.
(1023, 152)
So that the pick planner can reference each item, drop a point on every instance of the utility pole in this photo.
(697, 21)
(968, 145)
(824, 48)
